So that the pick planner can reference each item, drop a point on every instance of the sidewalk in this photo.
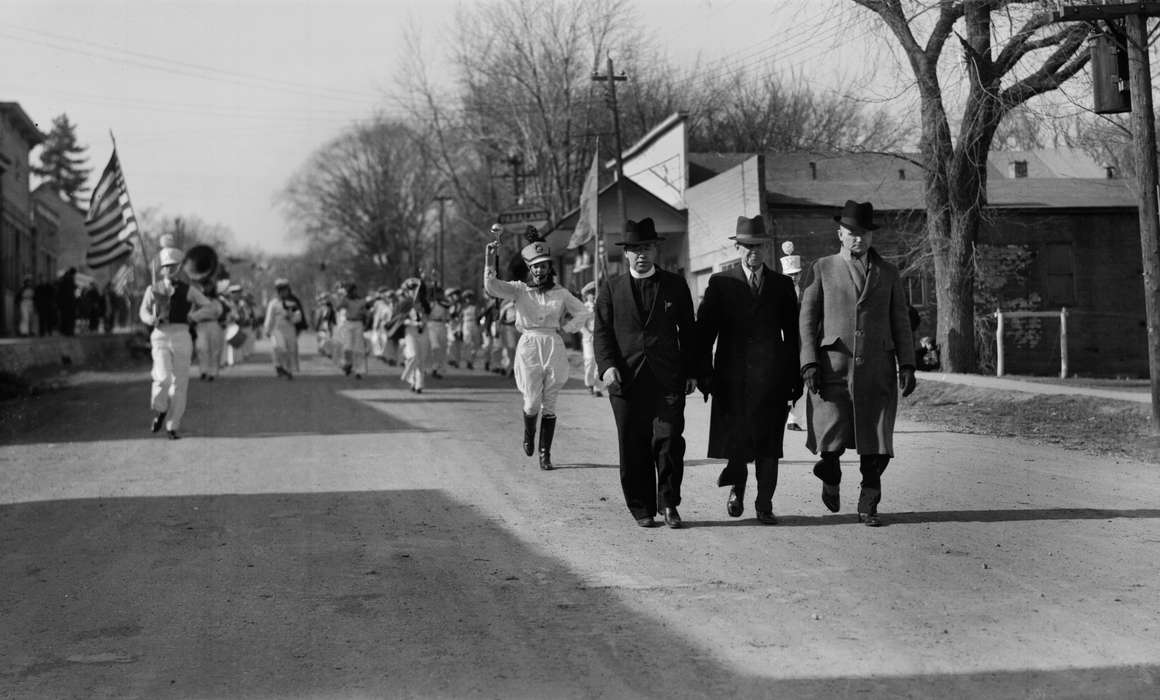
(19, 355)
(1137, 395)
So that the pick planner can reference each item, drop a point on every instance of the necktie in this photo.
(753, 282)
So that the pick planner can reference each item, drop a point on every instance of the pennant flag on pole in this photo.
(589, 196)
(110, 222)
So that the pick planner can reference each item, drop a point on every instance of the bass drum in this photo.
(235, 336)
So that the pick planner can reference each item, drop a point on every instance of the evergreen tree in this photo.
(62, 160)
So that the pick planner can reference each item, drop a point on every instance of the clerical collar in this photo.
(641, 276)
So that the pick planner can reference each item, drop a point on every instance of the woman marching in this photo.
(165, 307)
(285, 317)
(541, 364)
(413, 316)
(354, 344)
(211, 337)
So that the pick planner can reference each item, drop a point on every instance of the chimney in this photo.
(813, 170)
(1017, 169)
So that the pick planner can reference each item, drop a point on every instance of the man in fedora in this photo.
(647, 354)
(751, 314)
(857, 354)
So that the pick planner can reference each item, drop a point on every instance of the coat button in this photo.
(859, 361)
(859, 332)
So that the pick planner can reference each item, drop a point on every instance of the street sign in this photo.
(532, 216)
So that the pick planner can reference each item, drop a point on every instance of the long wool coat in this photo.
(755, 368)
(858, 342)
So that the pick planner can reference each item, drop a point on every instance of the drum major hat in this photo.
(640, 232)
(170, 256)
(857, 216)
(535, 252)
(751, 231)
(790, 263)
(281, 282)
(412, 283)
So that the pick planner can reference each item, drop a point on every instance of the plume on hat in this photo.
(533, 235)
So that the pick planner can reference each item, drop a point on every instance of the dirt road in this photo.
(333, 538)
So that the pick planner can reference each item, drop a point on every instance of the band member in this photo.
(509, 336)
(324, 324)
(165, 307)
(285, 317)
(750, 312)
(591, 374)
(437, 334)
(791, 266)
(541, 366)
(454, 326)
(648, 356)
(211, 335)
(857, 354)
(354, 344)
(413, 317)
(472, 331)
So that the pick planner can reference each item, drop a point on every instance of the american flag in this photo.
(123, 279)
(110, 222)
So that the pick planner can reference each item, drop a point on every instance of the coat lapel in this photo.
(872, 274)
(656, 298)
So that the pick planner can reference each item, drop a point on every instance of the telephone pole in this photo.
(612, 79)
(1134, 35)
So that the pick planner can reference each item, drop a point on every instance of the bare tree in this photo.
(367, 198)
(1011, 53)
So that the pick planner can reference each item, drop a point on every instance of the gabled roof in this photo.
(648, 139)
(46, 193)
(1048, 162)
(568, 221)
(23, 122)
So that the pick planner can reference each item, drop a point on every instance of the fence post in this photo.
(998, 342)
(1063, 343)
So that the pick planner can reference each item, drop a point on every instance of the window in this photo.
(1059, 267)
(1018, 169)
(730, 265)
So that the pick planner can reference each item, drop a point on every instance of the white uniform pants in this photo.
(437, 342)
(541, 370)
(26, 309)
(354, 346)
(210, 339)
(591, 374)
(172, 349)
(414, 357)
(285, 347)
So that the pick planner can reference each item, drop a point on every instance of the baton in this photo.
(497, 231)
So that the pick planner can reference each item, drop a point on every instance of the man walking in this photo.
(647, 353)
(751, 313)
(857, 353)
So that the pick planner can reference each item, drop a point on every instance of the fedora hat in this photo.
(640, 232)
(857, 216)
(751, 231)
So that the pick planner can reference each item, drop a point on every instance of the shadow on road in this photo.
(950, 516)
(364, 594)
(233, 406)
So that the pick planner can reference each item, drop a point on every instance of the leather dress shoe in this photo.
(734, 504)
(766, 517)
(831, 497)
(158, 421)
(173, 435)
(646, 522)
(673, 518)
(869, 519)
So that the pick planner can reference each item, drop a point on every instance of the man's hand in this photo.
(690, 386)
(796, 392)
(812, 380)
(906, 381)
(705, 386)
(611, 376)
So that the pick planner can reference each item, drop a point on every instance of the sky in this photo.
(215, 104)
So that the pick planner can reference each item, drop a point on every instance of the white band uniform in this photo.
(541, 361)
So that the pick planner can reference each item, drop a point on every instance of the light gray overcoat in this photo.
(858, 341)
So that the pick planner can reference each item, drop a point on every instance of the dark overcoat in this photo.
(755, 366)
(858, 341)
(664, 337)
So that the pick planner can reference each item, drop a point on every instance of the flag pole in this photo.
(128, 198)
